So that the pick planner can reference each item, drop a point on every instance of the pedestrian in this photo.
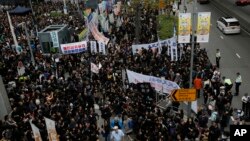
(198, 85)
(117, 134)
(238, 82)
(244, 100)
(227, 83)
(218, 57)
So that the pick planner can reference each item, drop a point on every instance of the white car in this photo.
(228, 25)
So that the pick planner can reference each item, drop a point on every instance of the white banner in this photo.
(138, 48)
(36, 132)
(102, 20)
(155, 45)
(54, 38)
(51, 129)
(100, 8)
(72, 48)
(184, 28)
(203, 27)
(93, 47)
(174, 52)
(94, 68)
(157, 83)
(106, 27)
(101, 47)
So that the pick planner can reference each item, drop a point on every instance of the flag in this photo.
(94, 68)
(51, 129)
(203, 27)
(184, 27)
(36, 132)
(13, 33)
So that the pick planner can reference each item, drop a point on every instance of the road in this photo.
(234, 50)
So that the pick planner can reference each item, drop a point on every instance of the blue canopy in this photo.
(20, 10)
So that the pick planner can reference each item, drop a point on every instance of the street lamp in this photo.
(23, 24)
(192, 55)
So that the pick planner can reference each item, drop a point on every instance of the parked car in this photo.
(242, 2)
(228, 25)
(203, 1)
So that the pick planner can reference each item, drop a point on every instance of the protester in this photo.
(66, 91)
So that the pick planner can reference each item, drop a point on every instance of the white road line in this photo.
(238, 55)
(221, 37)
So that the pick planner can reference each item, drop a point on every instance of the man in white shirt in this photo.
(238, 82)
(117, 134)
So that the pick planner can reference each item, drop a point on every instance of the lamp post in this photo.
(65, 7)
(23, 24)
(192, 54)
(137, 23)
(78, 9)
(33, 18)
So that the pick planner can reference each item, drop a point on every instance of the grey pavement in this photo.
(229, 8)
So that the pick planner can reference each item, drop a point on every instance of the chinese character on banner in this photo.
(101, 47)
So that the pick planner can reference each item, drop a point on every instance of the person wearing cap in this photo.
(238, 82)
(117, 134)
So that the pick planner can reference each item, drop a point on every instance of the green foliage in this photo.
(165, 26)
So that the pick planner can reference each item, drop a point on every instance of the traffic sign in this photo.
(183, 95)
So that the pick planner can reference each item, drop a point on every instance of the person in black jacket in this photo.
(214, 132)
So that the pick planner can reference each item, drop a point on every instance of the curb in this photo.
(229, 10)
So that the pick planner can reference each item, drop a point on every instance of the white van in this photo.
(228, 25)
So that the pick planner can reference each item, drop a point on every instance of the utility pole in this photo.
(33, 18)
(137, 23)
(78, 9)
(193, 42)
(28, 39)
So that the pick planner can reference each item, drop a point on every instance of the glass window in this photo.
(234, 24)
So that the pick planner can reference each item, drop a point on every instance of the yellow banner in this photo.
(184, 27)
(203, 26)
(82, 34)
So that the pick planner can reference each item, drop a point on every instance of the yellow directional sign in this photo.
(183, 95)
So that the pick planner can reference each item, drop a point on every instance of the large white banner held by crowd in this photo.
(72, 48)
(184, 28)
(203, 27)
(157, 83)
(36, 132)
(51, 129)
(155, 45)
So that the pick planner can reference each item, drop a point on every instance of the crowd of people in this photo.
(66, 91)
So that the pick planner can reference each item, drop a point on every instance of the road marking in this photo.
(238, 55)
(221, 37)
